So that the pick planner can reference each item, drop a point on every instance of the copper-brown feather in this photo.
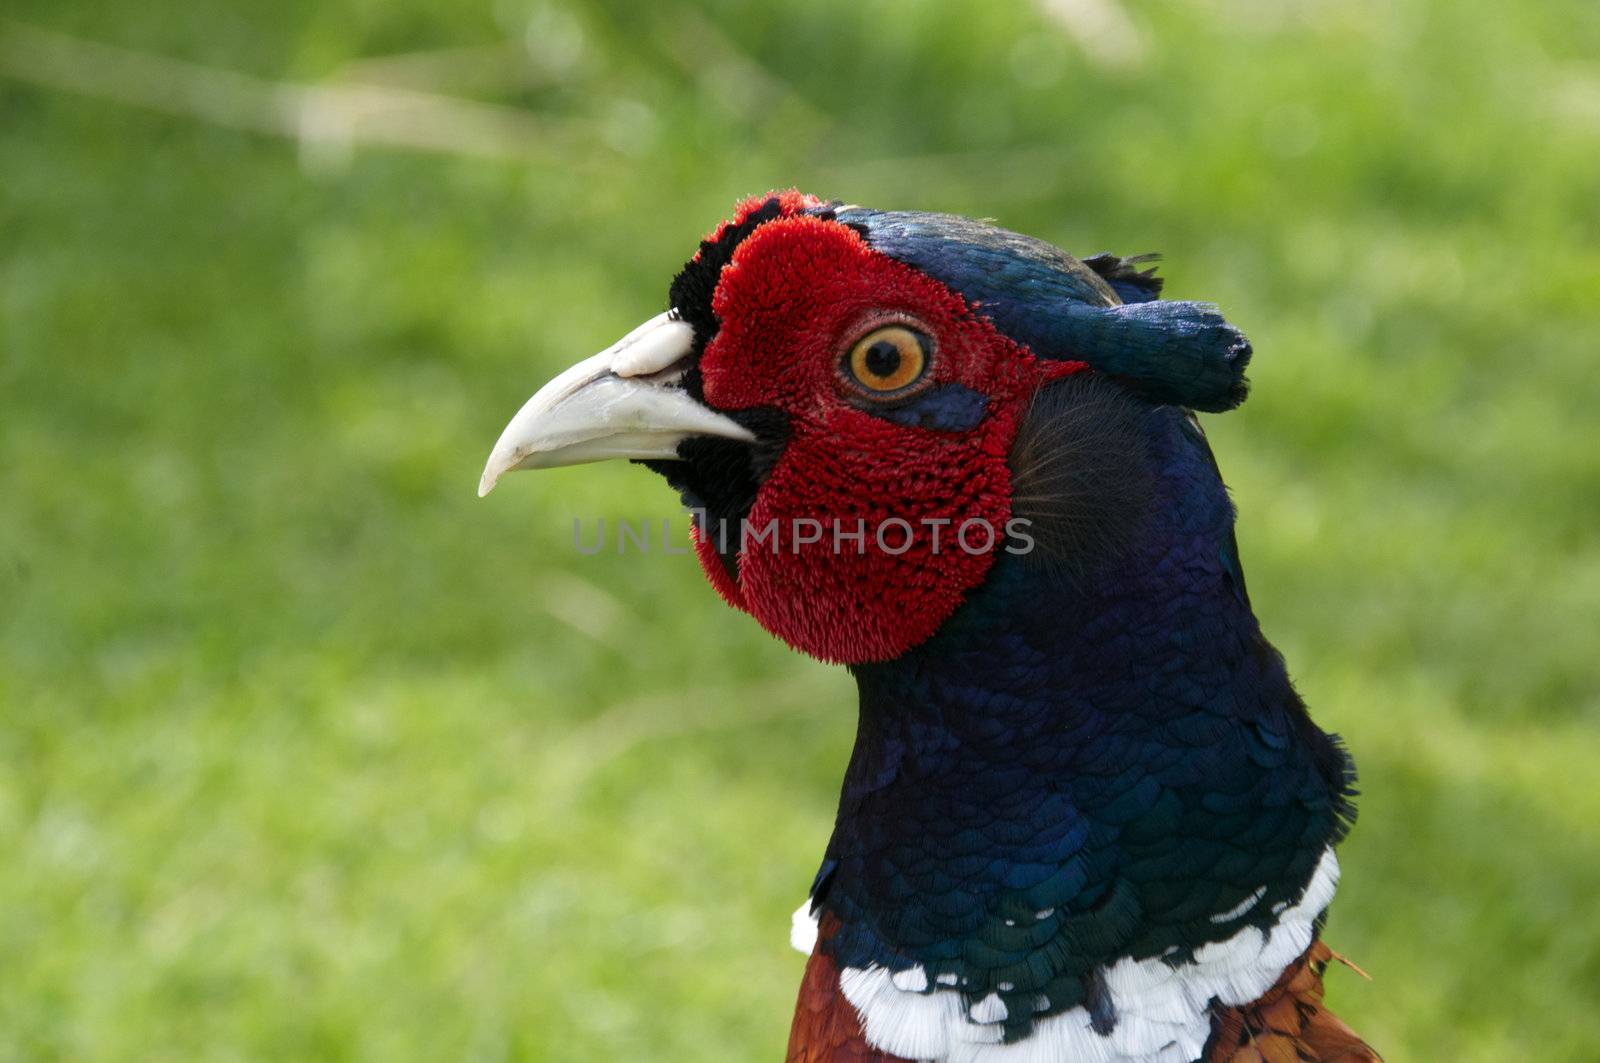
(826, 1029)
(1289, 1024)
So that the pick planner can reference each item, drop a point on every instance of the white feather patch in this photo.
(990, 1009)
(803, 928)
(911, 980)
(1163, 1012)
(1242, 907)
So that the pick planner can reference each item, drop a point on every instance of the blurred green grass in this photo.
(306, 753)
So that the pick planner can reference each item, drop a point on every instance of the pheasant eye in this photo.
(888, 359)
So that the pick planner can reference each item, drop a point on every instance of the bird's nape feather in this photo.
(1079, 474)
(1131, 283)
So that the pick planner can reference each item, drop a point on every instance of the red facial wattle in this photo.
(797, 293)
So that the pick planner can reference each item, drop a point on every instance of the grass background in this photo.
(306, 753)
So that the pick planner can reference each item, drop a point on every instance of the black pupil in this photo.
(883, 358)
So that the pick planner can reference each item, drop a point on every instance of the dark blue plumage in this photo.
(1121, 751)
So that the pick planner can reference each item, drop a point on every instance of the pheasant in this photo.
(1087, 818)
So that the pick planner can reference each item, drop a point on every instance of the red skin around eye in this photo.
(798, 291)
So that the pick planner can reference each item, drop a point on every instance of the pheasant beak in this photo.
(625, 402)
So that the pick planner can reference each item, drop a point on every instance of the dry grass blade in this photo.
(328, 121)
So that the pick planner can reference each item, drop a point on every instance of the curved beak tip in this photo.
(624, 402)
(496, 467)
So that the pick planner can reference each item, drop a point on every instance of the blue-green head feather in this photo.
(1104, 310)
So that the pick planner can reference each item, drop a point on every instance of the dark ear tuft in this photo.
(1182, 353)
(1080, 474)
(1175, 354)
(1132, 284)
